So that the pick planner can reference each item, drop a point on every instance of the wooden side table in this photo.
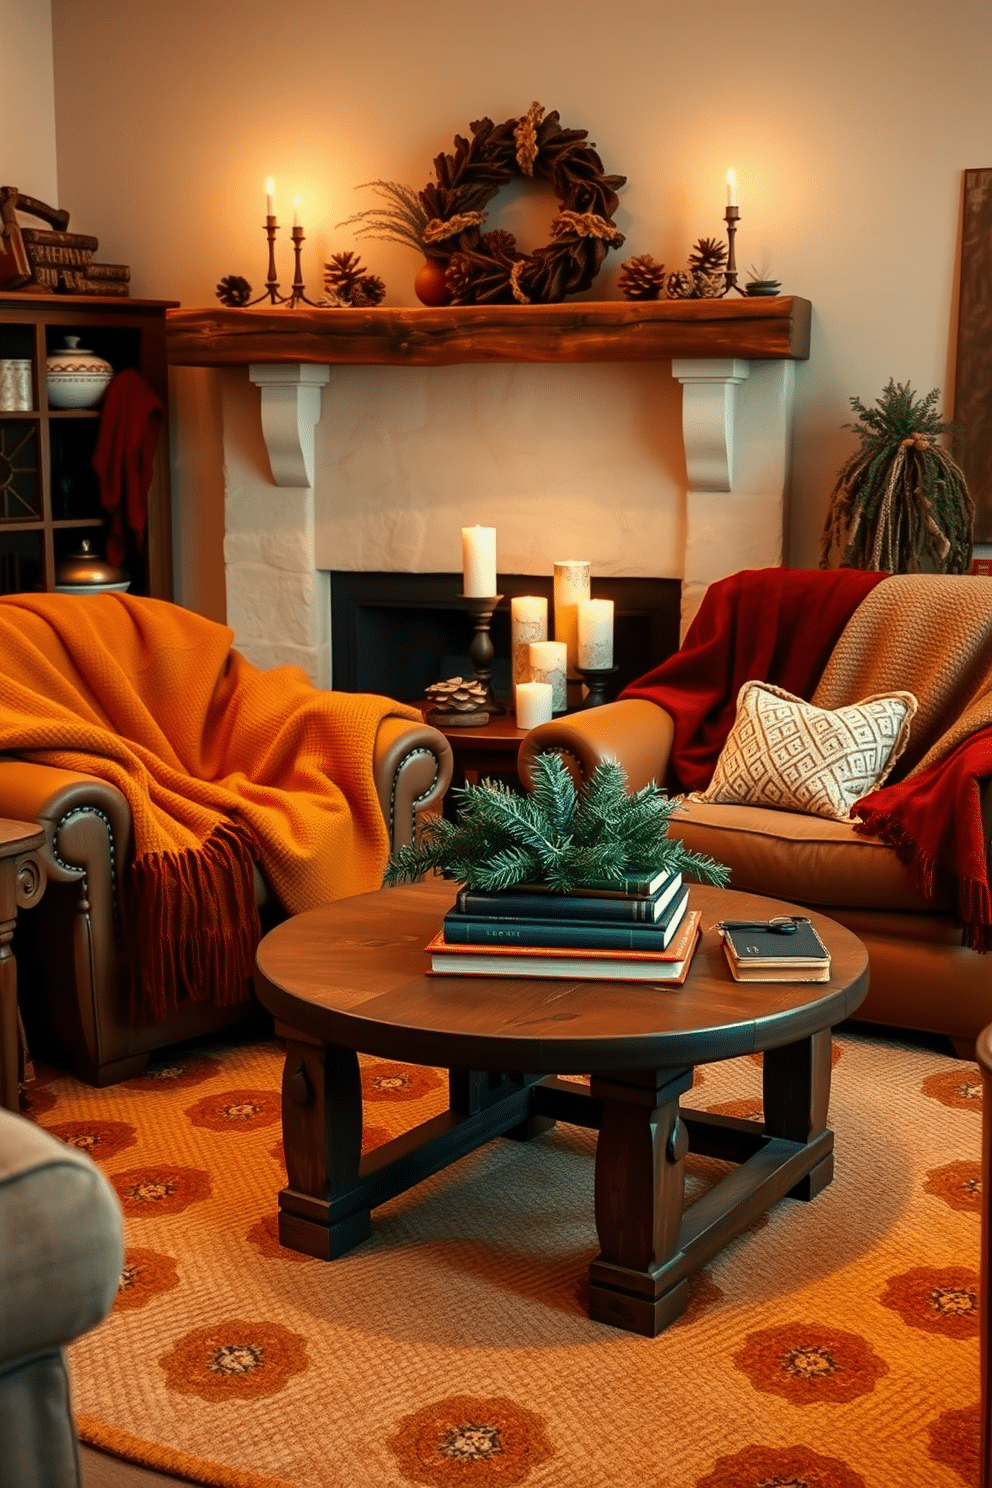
(479, 752)
(22, 883)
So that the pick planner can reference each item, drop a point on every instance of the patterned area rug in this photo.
(835, 1345)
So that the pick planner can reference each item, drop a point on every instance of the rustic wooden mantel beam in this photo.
(584, 331)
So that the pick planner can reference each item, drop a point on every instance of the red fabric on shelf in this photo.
(934, 822)
(130, 424)
(774, 624)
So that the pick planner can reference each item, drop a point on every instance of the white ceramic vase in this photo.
(76, 377)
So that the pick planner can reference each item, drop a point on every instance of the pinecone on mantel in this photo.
(642, 278)
(457, 703)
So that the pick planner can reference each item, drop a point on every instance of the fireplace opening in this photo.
(396, 633)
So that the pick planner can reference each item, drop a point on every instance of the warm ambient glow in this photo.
(270, 197)
(731, 188)
(297, 209)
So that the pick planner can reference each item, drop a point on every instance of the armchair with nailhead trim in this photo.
(72, 970)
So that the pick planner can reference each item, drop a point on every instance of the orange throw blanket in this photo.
(221, 764)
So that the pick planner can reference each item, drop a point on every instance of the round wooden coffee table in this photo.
(350, 977)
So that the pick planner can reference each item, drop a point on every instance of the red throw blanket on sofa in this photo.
(775, 624)
(781, 626)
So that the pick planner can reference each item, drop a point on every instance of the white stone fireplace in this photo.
(354, 461)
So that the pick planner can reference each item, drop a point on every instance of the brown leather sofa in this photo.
(71, 969)
(922, 977)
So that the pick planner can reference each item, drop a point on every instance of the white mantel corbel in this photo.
(278, 601)
(708, 405)
(720, 537)
(290, 412)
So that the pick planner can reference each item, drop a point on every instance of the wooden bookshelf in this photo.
(49, 495)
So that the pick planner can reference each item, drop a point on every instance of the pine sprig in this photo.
(555, 836)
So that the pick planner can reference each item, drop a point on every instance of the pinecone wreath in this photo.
(642, 278)
(348, 283)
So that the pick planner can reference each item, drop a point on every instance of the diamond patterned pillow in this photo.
(783, 752)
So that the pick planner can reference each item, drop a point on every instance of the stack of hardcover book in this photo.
(636, 930)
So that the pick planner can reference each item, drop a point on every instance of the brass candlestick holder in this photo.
(481, 649)
(732, 216)
(597, 679)
(297, 294)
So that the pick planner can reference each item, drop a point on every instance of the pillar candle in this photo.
(528, 622)
(479, 561)
(731, 188)
(595, 634)
(270, 199)
(571, 585)
(548, 663)
(533, 703)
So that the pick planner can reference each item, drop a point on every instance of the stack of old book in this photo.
(637, 930)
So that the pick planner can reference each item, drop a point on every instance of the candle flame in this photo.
(298, 202)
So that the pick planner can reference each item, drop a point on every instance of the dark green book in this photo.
(582, 935)
(512, 905)
(636, 885)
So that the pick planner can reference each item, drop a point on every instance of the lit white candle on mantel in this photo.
(549, 663)
(595, 634)
(571, 586)
(533, 703)
(479, 562)
(270, 198)
(528, 622)
(731, 188)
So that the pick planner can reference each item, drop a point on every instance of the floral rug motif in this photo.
(833, 1345)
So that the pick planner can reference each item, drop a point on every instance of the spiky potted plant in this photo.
(556, 835)
(900, 504)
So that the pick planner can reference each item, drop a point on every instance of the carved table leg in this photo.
(322, 1134)
(796, 1081)
(640, 1182)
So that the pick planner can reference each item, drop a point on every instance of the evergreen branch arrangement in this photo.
(900, 504)
(555, 836)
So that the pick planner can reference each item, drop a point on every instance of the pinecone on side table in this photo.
(456, 703)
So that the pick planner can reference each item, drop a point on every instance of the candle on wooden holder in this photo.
(479, 562)
(571, 586)
(549, 663)
(533, 702)
(528, 622)
(595, 627)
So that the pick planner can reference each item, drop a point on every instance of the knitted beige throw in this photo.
(929, 634)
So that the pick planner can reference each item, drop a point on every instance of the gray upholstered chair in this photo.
(61, 1254)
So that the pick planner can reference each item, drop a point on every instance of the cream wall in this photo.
(27, 99)
(849, 127)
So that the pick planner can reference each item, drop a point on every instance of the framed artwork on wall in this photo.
(973, 383)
